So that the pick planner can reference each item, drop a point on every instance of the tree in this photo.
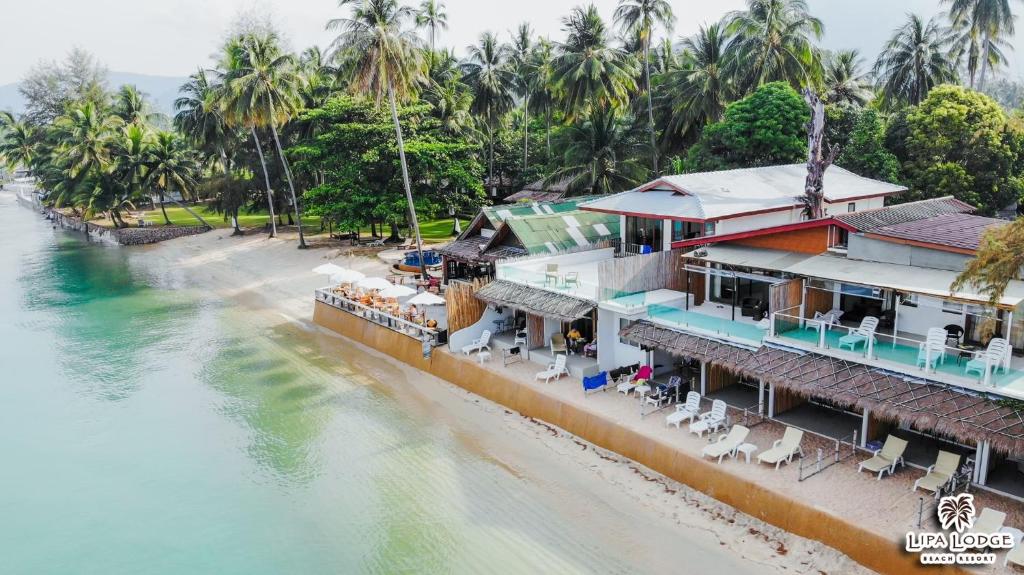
(18, 144)
(640, 17)
(229, 193)
(262, 87)
(865, 152)
(540, 80)
(698, 92)
(600, 155)
(763, 129)
(131, 106)
(385, 58)
(519, 60)
(998, 261)
(168, 166)
(491, 81)
(845, 79)
(773, 41)
(961, 143)
(985, 23)
(915, 60)
(432, 16)
(818, 158)
(130, 152)
(589, 73)
(200, 120)
(50, 87)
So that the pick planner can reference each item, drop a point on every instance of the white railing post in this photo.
(822, 326)
(871, 347)
(771, 328)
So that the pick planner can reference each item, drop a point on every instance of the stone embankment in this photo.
(122, 236)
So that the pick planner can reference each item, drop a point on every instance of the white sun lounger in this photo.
(783, 449)
(886, 459)
(685, 411)
(726, 444)
(554, 370)
(939, 474)
(710, 420)
(478, 344)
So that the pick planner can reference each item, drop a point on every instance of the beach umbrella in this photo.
(374, 283)
(347, 276)
(397, 291)
(426, 298)
(328, 269)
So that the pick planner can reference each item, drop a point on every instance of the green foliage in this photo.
(961, 144)
(865, 152)
(765, 128)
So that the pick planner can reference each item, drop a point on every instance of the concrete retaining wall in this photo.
(123, 236)
(867, 548)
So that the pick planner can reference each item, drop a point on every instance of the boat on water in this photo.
(411, 261)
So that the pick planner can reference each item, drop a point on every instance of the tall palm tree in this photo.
(773, 40)
(588, 72)
(491, 81)
(84, 135)
(222, 99)
(541, 85)
(199, 119)
(986, 23)
(18, 144)
(385, 58)
(845, 79)
(131, 106)
(916, 59)
(168, 166)
(640, 17)
(699, 90)
(601, 155)
(520, 51)
(431, 15)
(130, 154)
(263, 87)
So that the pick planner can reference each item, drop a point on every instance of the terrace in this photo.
(675, 309)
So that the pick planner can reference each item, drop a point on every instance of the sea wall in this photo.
(122, 236)
(782, 510)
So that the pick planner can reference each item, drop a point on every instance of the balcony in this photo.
(709, 319)
(900, 353)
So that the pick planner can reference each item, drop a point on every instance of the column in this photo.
(771, 401)
(865, 421)
(760, 397)
(703, 378)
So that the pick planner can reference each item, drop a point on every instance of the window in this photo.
(678, 231)
(644, 232)
(709, 228)
(952, 307)
(851, 207)
(623, 324)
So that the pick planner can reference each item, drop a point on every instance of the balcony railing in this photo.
(401, 325)
(704, 324)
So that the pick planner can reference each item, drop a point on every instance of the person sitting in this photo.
(574, 338)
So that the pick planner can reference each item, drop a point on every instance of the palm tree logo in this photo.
(957, 512)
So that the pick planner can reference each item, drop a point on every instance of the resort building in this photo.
(844, 326)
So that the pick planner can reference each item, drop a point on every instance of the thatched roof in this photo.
(927, 406)
(535, 300)
(464, 249)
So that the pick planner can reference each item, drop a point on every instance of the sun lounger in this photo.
(643, 374)
(861, 335)
(784, 449)
(478, 344)
(886, 459)
(595, 382)
(554, 370)
(1015, 556)
(378, 243)
(932, 351)
(991, 359)
(665, 393)
(726, 444)
(988, 521)
(824, 320)
(710, 420)
(685, 411)
(939, 474)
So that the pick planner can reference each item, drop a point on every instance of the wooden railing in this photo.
(401, 325)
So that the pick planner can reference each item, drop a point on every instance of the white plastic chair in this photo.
(932, 351)
(554, 370)
(687, 411)
(478, 344)
(711, 420)
(862, 334)
(992, 359)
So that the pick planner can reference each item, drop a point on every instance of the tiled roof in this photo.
(869, 220)
(961, 231)
(563, 231)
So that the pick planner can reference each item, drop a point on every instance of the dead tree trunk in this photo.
(818, 160)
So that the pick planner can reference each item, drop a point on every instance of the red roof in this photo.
(959, 231)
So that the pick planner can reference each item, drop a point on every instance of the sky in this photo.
(174, 37)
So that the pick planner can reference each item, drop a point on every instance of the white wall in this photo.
(757, 222)
(610, 352)
(927, 314)
(463, 337)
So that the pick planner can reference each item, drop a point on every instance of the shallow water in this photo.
(150, 428)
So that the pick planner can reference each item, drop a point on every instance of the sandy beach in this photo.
(651, 512)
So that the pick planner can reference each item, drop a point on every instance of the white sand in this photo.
(594, 486)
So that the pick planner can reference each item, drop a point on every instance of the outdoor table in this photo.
(967, 351)
(641, 390)
(747, 449)
(483, 356)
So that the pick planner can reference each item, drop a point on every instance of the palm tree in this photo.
(168, 165)
(131, 106)
(199, 119)
(845, 79)
(541, 84)
(432, 16)
(588, 72)
(601, 155)
(699, 90)
(17, 144)
(130, 153)
(519, 60)
(222, 98)
(640, 17)
(914, 60)
(385, 58)
(773, 40)
(491, 81)
(262, 87)
(84, 134)
(986, 24)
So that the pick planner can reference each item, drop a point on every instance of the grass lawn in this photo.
(432, 230)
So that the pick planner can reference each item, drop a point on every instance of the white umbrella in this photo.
(374, 283)
(328, 269)
(426, 298)
(397, 291)
(347, 276)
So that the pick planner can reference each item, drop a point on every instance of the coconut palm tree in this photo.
(640, 17)
(199, 118)
(601, 155)
(18, 143)
(773, 40)
(384, 55)
(916, 59)
(431, 15)
(699, 90)
(845, 79)
(263, 87)
(131, 106)
(168, 165)
(491, 82)
(986, 24)
(130, 149)
(588, 72)
(541, 85)
(519, 60)
(84, 134)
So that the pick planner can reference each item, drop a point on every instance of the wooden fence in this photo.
(622, 276)
(464, 309)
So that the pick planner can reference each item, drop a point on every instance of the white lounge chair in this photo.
(1015, 556)
(554, 370)
(726, 444)
(988, 521)
(992, 359)
(710, 420)
(478, 344)
(378, 243)
(824, 320)
(783, 449)
(939, 474)
(887, 458)
(932, 351)
(861, 335)
(685, 411)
